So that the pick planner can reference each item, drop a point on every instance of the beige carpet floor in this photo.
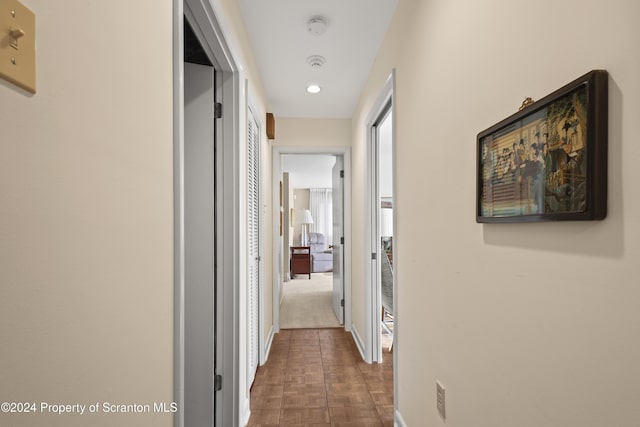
(308, 303)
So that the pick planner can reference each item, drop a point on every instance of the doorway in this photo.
(199, 233)
(205, 196)
(380, 240)
(384, 207)
(312, 231)
(282, 249)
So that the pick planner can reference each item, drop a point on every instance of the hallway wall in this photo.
(86, 202)
(300, 203)
(86, 208)
(525, 325)
(303, 132)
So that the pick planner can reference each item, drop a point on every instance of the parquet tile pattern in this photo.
(316, 377)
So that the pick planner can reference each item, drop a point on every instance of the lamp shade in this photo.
(306, 217)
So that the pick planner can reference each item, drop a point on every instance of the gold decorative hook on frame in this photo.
(526, 103)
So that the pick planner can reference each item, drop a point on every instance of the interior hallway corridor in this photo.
(317, 377)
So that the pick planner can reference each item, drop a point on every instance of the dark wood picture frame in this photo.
(547, 162)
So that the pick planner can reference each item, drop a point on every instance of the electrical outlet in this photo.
(440, 402)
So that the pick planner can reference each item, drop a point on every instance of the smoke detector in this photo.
(316, 26)
(316, 61)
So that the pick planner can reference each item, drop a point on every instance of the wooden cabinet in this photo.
(300, 260)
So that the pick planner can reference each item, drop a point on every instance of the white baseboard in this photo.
(398, 421)
(247, 412)
(281, 294)
(358, 340)
(267, 349)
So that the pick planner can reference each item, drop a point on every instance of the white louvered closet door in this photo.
(253, 212)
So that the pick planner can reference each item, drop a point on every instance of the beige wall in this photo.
(86, 202)
(525, 325)
(287, 226)
(313, 132)
(300, 202)
(86, 215)
(292, 218)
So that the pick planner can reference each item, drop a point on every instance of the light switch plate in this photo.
(18, 55)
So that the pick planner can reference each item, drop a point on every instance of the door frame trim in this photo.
(373, 305)
(252, 110)
(259, 112)
(205, 24)
(278, 246)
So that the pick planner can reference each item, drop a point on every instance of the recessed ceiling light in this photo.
(313, 88)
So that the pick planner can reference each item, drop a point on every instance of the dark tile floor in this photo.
(316, 377)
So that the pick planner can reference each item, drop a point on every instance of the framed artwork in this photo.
(547, 162)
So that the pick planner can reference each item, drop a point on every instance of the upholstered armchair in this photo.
(321, 256)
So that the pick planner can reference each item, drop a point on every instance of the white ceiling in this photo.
(281, 44)
(308, 170)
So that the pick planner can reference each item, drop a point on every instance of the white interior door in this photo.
(384, 224)
(199, 245)
(253, 263)
(337, 176)
(380, 175)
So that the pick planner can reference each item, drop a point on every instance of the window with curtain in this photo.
(321, 205)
